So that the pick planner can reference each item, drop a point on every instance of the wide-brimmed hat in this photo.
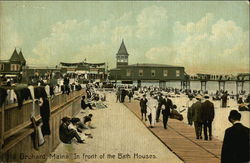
(190, 96)
(206, 95)
(65, 119)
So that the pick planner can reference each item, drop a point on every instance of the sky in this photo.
(204, 37)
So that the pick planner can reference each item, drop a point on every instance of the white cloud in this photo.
(121, 32)
(193, 28)
(207, 47)
(73, 37)
(149, 20)
(161, 54)
(9, 39)
(64, 37)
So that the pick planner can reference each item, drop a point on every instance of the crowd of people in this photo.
(156, 106)
(200, 113)
(75, 128)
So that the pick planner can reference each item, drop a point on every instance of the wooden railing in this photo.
(15, 125)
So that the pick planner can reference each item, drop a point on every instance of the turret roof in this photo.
(122, 49)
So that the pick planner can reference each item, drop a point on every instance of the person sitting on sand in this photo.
(79, 126)
(65, 134)
(87, 121)
(84, 105)
(242, 106)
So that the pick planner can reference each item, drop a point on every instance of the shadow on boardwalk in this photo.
(180, 139)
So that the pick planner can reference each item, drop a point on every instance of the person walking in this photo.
(207, 116)
(167, 105)
(160, 102)
(118, 95)
(151, 111)
(123, 95)
(235, 147)
(130, 95)
(196, 107)
(224, 99)
(143, 105)
(190, 102)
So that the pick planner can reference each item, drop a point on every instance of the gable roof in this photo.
(15, 56)
(21, 56)
(122, 49)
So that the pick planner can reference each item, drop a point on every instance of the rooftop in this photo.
(122, 49)
(151, 65)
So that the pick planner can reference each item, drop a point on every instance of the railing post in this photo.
(2, 127)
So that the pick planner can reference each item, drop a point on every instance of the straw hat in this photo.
(199, 96)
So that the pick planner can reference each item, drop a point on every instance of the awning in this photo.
(10, 75)
(70, 71)
(93, 72)
(81, 72)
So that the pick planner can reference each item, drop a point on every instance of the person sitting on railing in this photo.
(66, 135)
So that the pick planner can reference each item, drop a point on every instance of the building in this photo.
(89, 71)
(143, 72)
(13, 67)
(122, 56)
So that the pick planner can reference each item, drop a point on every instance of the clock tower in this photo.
(122, 56)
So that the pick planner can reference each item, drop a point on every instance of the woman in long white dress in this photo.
(151, 111)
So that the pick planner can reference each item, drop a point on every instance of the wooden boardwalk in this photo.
(180, 139)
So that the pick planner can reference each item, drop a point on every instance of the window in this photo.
(141, 72)
(1, 67)
(14, 67)
(177, 73)
(152, 72)
(128, 72)
(165, 73)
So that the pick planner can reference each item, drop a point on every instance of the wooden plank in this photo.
(19, 127)
(17, 139)
(2, 126)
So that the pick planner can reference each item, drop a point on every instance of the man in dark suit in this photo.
(143, 105)
(123, 95)
(160, 100)
(167, 103)
(207, 117)
(196, 107)
(235, 148)
(66, 135)
(224, 99)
